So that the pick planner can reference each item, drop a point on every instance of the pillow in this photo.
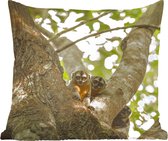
(85, 74)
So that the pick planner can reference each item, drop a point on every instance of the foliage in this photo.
(100, 50)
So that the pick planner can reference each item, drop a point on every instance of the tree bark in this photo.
(42, 104)
(43, 107)
(155, 132)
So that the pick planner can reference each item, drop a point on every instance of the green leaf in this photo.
(116, 15)
(62, 14)
(103, 26)
(54, 26)
(87, 15)
(134, 13)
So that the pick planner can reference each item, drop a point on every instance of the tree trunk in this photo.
(43, 107)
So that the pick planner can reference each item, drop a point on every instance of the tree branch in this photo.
(104, 31)
(130, 73)
(44, 31)
(155, 132)
(81, 23)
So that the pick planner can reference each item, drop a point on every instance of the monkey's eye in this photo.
(100, 85)
(77, 77)
(95, 81)
(84, 78)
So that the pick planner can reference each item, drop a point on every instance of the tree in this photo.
(43, 107)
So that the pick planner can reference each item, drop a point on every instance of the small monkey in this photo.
(81, 84)
(98, 85)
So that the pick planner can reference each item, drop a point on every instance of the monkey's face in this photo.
(80, 78)
(98, 83)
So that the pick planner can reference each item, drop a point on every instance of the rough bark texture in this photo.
(42, 105)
